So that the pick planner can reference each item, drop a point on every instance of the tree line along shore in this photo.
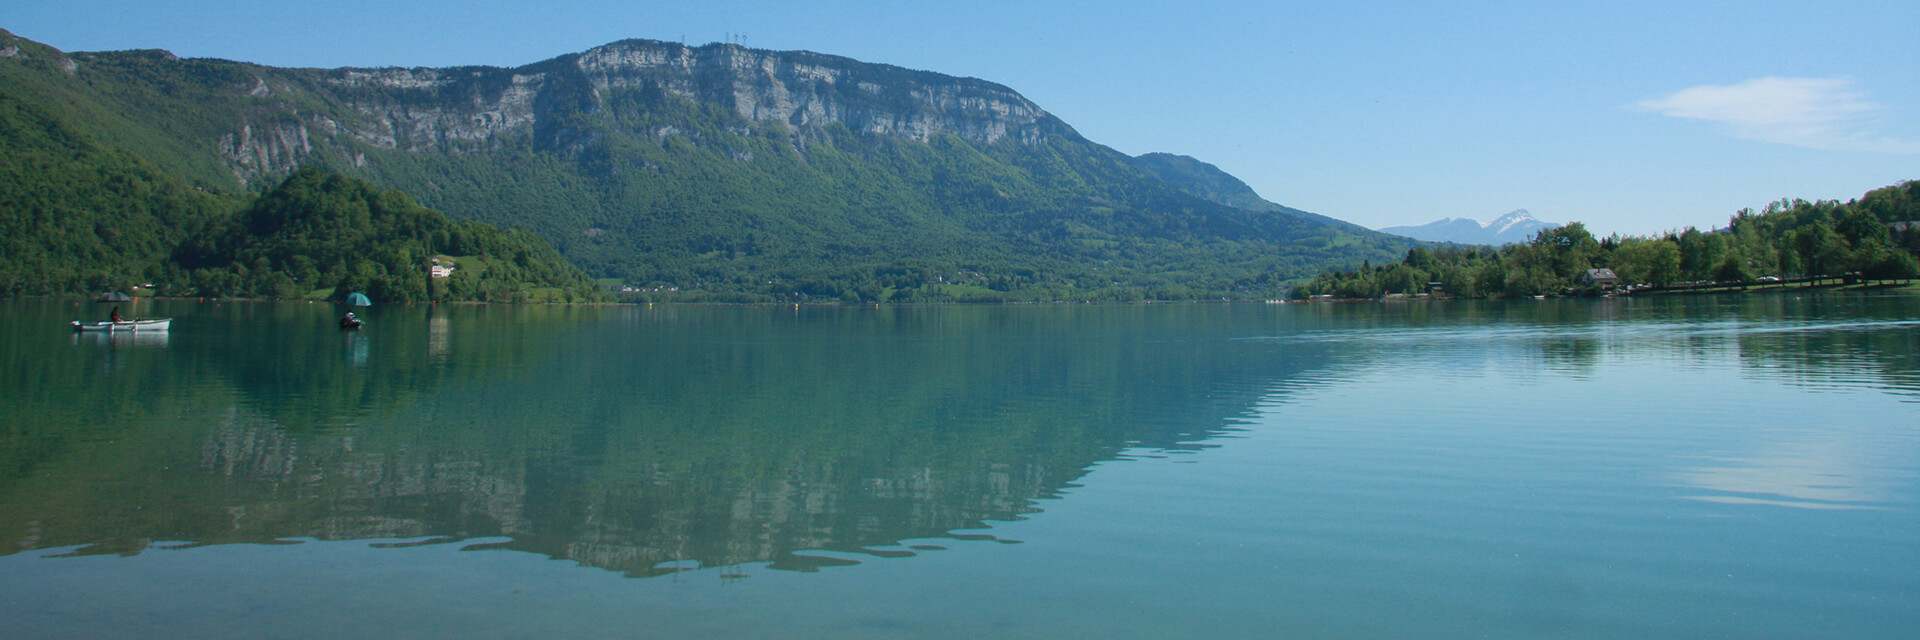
(1867, 241)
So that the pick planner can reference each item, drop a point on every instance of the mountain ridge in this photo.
(767, 175)
(1518, 225)
(1207, 181)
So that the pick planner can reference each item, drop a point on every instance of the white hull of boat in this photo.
(137, 324)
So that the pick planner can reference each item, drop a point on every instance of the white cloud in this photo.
(1817, 113)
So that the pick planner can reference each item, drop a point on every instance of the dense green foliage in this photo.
(1863, 239)
(166, 111)
(318, 231)
(676, 193)
(77, 216)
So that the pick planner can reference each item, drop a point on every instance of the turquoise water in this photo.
(1742, 467)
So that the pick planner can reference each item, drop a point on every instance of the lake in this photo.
(1685, 467)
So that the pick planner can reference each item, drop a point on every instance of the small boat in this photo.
(136, 324)
(351, 322)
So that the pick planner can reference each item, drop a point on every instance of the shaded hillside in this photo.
(718, 169)
(78, 216)
(1202, 179)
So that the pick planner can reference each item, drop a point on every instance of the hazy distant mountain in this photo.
(1202, 179)
(1516, 226)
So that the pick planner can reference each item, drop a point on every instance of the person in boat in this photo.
(115, 316)
(350, 321)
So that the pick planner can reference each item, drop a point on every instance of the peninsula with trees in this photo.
(1870, 239)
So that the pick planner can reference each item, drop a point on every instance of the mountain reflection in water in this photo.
(652, 440)
(642, 440)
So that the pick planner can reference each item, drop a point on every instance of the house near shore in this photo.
(1603, 278)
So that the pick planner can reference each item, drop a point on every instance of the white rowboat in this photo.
(136, 324)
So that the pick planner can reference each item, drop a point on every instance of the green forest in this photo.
(77, 216)
(319, 235)
(657, 184)
(1870, 239)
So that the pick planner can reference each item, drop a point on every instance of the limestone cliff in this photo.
(471, 109)
(751, 174)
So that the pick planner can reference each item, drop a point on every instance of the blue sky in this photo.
(1633, 117)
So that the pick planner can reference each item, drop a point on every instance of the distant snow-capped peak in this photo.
(1513, 218)
(1518, 225)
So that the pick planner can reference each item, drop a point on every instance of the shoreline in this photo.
(1737, 289)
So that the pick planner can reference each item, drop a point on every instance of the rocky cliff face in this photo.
(708, 168)
(803, 90)
(472, 109)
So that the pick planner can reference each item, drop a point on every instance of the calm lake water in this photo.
(1702, 467)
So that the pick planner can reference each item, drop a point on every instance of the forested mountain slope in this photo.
(78, 216)
(1199, 178)
(79, 213)
(719, 169)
